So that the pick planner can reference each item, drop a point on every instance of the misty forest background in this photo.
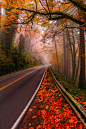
(37, 32)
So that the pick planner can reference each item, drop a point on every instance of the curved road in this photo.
(15, 92)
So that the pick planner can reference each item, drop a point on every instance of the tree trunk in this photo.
(82, 51)
(82, 60)
(62, 64)
(56, 53)
(74, 58)
(69, 46)
(10, 30)
(64, 47)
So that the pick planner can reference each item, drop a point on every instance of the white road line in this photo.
(16, 124)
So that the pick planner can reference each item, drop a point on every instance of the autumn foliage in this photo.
(53, 109)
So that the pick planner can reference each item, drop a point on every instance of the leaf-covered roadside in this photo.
(77, 93)
(50, 110)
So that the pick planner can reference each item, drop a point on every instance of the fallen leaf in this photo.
(34, 106)
(30, 109)
(31, 128)
(29, 124)
(84, 103)
(34, 116)
(47, 106)
(38, 127)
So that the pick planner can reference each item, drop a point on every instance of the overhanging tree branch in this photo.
(67, 17)
(80, 5)
(56, 17)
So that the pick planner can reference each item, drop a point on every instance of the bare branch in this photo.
(53, 14)
(43, 6)
(47, 6)
(36, 4)
(55, 34)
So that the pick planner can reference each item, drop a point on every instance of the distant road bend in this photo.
(16, 91)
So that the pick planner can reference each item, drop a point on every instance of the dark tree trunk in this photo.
(10, 31)
(62, 64)
(77, 69)
(82, 60)
(82, 51)
(64, 47)
(56, 53)
(21, 44)
(74, 58)
(8, 40)
(69, 46)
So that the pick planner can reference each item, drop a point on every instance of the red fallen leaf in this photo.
(34, 106)
(84, 103)
(36, 99)
(80, 102)
(31, 128)
(39, 112)
(82, 98)
(50, 110)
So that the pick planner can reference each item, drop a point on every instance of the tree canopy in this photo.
(30, 10)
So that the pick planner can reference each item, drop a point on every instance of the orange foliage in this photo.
(55, 112)
(50, 6)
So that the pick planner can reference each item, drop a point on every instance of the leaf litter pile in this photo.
(50, 110)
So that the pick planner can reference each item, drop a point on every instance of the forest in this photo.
(37, 32)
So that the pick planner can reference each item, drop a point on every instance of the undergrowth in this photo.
(77, 93)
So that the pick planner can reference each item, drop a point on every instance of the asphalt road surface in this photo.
(15, 92)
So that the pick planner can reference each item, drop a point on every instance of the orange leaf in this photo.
(34, 106)
(34, 116)
(47, 106)
(84, 103)
(30, 110)
(41, 99)
(38, 127)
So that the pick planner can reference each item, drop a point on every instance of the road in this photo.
(15, 92)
